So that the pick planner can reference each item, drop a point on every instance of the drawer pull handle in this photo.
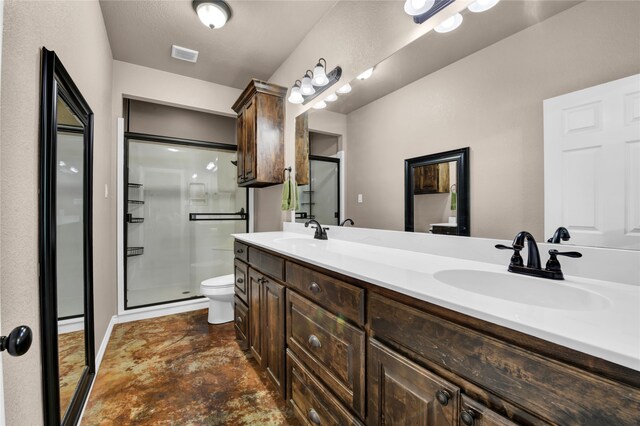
(443, 397)
(239, 251)
(238, 319)
(468, 417)
(239, 280)
(314, 417)
(314, 342)
(314, 288)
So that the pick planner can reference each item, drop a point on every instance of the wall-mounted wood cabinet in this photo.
(260, 134)
(431, 179)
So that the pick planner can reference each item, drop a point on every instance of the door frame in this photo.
(338, 161)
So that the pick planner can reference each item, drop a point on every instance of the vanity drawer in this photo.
(332, 349)
(241, 251)
(312, 403)
(344, 299)
(241, 285)
(241, 323)
(550, 390)
(266, 263)
(476, 414)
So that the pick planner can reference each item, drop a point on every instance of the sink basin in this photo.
(523, 289)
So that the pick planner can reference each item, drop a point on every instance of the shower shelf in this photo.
(134, 185)
(135, 219)
(307, 203)
(134, 251)
(136, 202)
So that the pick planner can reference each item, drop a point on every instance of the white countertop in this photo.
(611, 332)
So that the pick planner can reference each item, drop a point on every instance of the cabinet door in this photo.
(249, 124)
(240, 141)
(241, 324)
(401, 392)
(241, 286)
(255, 319)
(273, 331)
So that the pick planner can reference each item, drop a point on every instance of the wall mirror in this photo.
(65, 220)
(485, 86)
(436, 193)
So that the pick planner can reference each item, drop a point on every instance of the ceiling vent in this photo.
(184, 54)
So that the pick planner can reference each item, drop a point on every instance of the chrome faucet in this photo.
(561, 233)
(552, 269)
(321, 233)
(351, 222)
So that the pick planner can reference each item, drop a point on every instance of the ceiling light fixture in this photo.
(319, 75)
(344, 89)
(320, 105)
(212, 13)
(331, 98)
(365, 74)
(296, 97)
(417, 7)
(303, 90)
(449, 24)
(482, 5)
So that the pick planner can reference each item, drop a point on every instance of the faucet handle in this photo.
(516, 259)
(554, 252)
(553, 264)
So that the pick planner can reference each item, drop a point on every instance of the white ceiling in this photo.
(434, 51)
(257, 39)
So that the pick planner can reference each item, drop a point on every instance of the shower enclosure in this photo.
(182, 205)
(320, 199)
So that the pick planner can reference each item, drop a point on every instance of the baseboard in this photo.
(70, 325)
(162, 310)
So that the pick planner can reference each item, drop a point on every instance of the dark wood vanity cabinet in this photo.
(260, 134)
(408, 362)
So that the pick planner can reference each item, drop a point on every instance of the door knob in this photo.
(18, 341)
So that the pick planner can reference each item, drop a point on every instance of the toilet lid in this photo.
(219, 282)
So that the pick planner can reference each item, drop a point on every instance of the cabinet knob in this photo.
(314, 342)
(468, 417)
(239, 251)
(443, 397)
(314, 288)
(239, 319)
(240, 280)
(314, 417)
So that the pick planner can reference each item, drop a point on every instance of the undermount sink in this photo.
(523, 289)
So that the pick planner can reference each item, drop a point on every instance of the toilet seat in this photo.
(222, 285)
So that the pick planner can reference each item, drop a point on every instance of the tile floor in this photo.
(179, 370)
(71, 362)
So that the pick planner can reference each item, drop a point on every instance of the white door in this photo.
(592, 164)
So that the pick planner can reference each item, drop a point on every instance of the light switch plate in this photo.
(359, 198)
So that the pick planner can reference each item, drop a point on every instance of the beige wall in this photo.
(75, 31)
(321, 144)
(490, 101)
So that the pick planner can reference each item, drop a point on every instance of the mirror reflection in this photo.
(485, 85)
(70, 250)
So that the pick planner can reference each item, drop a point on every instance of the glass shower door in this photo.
(183, 205)
(320, 199)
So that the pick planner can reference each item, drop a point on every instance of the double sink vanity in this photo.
(362, 333)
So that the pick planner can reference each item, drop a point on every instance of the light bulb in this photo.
(306, 88)
(213, 15)
(449, 24)
(365, 74)
(296, 97)
(172, 149)
(344, 89)
(320, 105)
(417, 7)
(482, 5)
(211, 165)
(319, 76)
(331, 98)
(195, 175)
(73, 169)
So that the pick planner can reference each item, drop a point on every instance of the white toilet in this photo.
(219, 290)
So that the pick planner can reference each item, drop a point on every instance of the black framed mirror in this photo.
(65, 244)
(436, 193)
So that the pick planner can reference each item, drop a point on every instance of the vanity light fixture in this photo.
(449, 24)
(482, 5)
(365, 74)
(306, 88)
(331, 98)
(195, 175)
(303, 90)
(417, 7)
(73, 170)
(296, 97)
(212, 13)
(173, 149)
(319, 75)
(344, 89)
(211, 165)
(320, 105)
